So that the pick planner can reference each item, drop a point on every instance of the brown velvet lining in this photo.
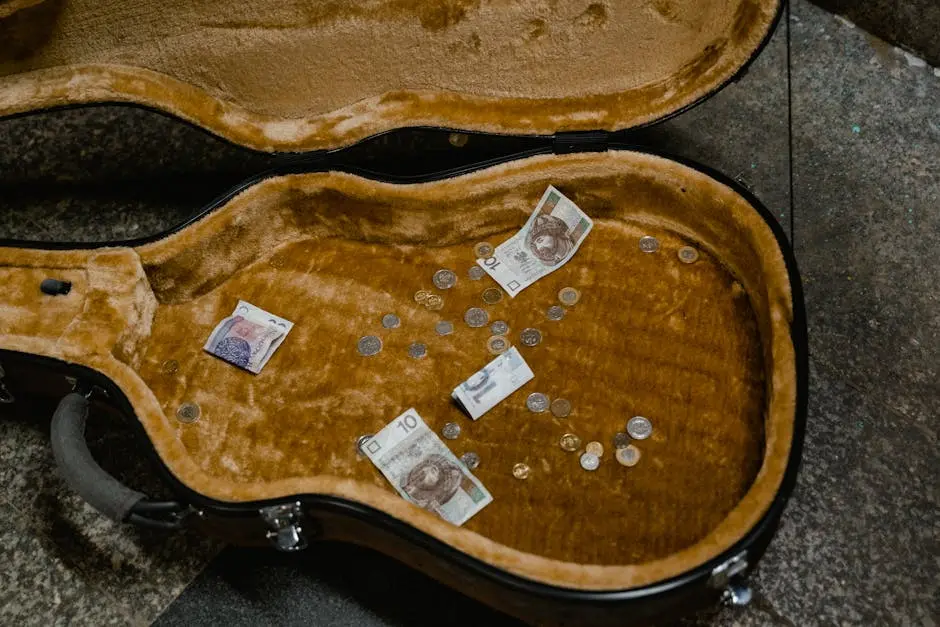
(306, 75)
(703, 350)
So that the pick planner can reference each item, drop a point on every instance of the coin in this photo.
(569, 296)
(595, 448)
(628, 456)
(531, 337)
(555, 312)
(188, 412)
(434, 302)
(476, 273)
(391, 321)
(521, 471)
(499, 328)
(561, 408)
(621, 440)
(537, 402)
(170, 367)
(444, 327)
(417, 350)
(471, 460)
(570, 442)
(649, 244)
(444, 279)
(687, 254)
(421, 296)
(476, 317)
(458, 140)
(492, 295)
(497, 345)
(362, 441)
(370, 345)
(639, 428)
(483, 250)
(451, 431)
(590, 461)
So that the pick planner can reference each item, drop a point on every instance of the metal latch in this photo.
(6, 396)
(722, 575)
(286, 532)
(568, 142)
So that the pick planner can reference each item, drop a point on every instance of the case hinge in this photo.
(721, 575)
(569, 142)
(286, 532)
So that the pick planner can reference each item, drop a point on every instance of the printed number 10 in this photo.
(408, 423)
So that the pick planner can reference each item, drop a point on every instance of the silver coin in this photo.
(444, 327)
(687, 254)
(621, 440)
(391, 321)
(444, 279)
(417, 350)
(561, 408)
(188, 413)
(555, 312)
(590, 461)
(649, 244)
(531, 337)
(476, 317)
(639, 428)
(537, 402)
(471, 460)
(499, 328)
(370, 345)
(476, 273)
(451, 431)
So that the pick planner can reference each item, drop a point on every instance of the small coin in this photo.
(492, 295)
(639, 428)
(649, 244)
(444, 327)
(621, 440)
(471, 460)
(497, 345)
(499, 328)
(569, 296)
(391, 321)
(476, 317)
(628, 456)
(434, 302)
(521, 471)
(362, 441)
(483, 250)
(687, 254)
(537, 402)
(476, 273)
(561, 408)
(531, 337)
(170, 367)
(444, 279)
(188, 412)
(458, 140)
(421, 296)
(595, 448)
(590, 461)
(451, 431)
(417, 350)
(570, 442)
(370, 345)
(555, 312)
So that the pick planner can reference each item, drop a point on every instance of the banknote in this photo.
(550, 238)
(490, 386)
(424, 471)
(249, 337)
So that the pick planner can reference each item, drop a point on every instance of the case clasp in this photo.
(568, 142)
(286, 533)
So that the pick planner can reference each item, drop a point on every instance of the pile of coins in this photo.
(626, 453)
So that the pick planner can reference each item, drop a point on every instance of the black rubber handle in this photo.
(102, 491)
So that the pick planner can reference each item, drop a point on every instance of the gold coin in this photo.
(687, 254)
(569, 296)
(421, 296)
(492, 295)
(570, 442)
(497, 345)
(628, 456)
(170, 367)
(483, 250)
(595, 448)
(188, 412)
(434, 302)
(561, 408)
(521, 471)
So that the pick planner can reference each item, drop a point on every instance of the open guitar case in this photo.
(713, 352)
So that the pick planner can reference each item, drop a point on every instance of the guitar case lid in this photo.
(299, 76)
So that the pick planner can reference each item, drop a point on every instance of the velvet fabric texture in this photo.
(303, 75)
(703, 350)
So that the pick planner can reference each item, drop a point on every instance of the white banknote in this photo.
(249, 337)
(550, 238)
(424, 471)
(491, 385)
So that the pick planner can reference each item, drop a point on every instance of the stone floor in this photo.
(860, 540)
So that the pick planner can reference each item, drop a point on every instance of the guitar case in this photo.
(713, 352)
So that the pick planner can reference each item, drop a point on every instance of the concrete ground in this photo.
(860, 540)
